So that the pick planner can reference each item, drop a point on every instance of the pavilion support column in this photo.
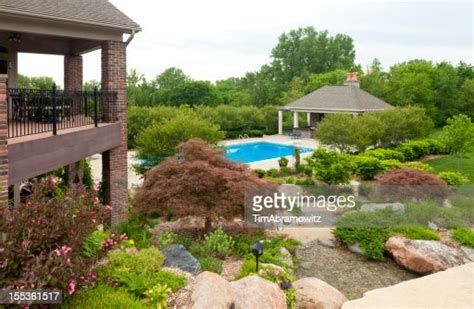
(73, 82)
(280, 122)
(3, 142)
(308, 119)
(295, 120)
(114, 161)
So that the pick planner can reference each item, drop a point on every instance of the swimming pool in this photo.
(251, 152)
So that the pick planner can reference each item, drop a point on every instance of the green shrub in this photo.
(147, 261)
(367, 167)
(304, 182)
(273, 172)
(103, 297)
(211, 264)
(330, 167)
(290, 180)
(418, 165)
(219, 243)
(453, 178)
(171, 280)
(419, 148)
(157, 296)
(300, 168)
(93, 243)
(390, 164)
(278, 181)
(248, 268)
(437, 146)
(385, 154)
(165, 239)
(285, 171)
(261, 173)
(464, 236)
(416, 232)
(136, 231)
(283, 162)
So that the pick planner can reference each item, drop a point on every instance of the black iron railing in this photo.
(32, 111)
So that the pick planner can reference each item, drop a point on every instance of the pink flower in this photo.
(95, 200)
(108, 207)
(91, 276)
(52, 181)
(2, 249)
(123, 237)
(95, 189)
(71, 287)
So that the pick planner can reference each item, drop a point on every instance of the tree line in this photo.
(302, 61)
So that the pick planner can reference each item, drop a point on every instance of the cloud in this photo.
(218, 39)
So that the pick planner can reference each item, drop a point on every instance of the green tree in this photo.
(465, 98)
(317, 80)
(335, 130)
(304, 51)
(170, 78)
(194, 93)
(458, 135)
(39, 82)
(296, 90)
(159, 140)
(375, 80)
(91, 85)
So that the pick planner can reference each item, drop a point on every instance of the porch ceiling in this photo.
(47, 44)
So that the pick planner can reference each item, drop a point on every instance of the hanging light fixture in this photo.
(14, 37)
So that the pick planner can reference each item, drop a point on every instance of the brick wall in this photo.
(3, 141)
(114, 161)
(73, 82)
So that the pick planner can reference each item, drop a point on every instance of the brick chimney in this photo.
(352, 80)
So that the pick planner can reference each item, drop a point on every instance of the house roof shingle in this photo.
(339, 98)
(97, 12)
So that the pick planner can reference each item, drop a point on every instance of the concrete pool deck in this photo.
(277, 139)
(135, 180)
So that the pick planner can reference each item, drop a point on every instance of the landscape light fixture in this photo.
(257, 250)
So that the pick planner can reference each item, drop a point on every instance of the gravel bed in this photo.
(348, 272)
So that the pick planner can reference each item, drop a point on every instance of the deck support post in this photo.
(280, 122)
(295, 120)
(3, 141)
(114, 161)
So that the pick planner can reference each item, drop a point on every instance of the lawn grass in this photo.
(450, 163)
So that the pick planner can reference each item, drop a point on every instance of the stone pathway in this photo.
(346, 271)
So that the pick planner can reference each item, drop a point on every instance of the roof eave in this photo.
(124, 29)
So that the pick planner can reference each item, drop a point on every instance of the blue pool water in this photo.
(251, 152)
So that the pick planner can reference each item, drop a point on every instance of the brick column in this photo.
(3, 141)
(74, 173)
(114, 161)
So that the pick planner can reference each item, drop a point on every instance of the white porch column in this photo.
(295, 120)
(280, 122)
(308, 119)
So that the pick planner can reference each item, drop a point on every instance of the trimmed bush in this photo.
(273, 172)
(261, 173)
(414, 149)
(283, 162)
(390, 164)
(453, 178)
(367, 167)
(385, 154)
(437, 146)
(418, 165)
(330, 166)
(211, 264)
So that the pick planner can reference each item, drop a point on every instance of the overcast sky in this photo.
(213, 40)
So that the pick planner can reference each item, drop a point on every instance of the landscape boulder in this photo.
(374, 207)
(255, 292)
(423, 256)
(178, 257)
(317, 294)
(211, 291)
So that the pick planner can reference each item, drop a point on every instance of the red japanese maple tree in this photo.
(197, 181)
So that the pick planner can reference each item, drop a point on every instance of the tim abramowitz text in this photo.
(257, 218)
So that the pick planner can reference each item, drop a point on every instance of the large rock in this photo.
(286, 256)
(468, 254)
(313, 293)
(255, 292)
(373, 207)
(211, 291)
(423, 256)
(178, 257)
